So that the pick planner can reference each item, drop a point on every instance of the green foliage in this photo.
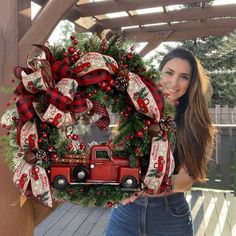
(9, 151)
(96, 195)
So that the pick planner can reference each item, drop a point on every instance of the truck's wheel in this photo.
(129, 182)
(80, 174)
(60, 182)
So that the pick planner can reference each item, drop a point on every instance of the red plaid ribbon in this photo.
(94, 77)
(100, 109)
(61, 70)
(63, 103)
(25, 108)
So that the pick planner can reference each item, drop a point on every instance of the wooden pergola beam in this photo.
(43, 26)
(180, 35)
(100, 8)
(196, 25)
(153, 42)
(177, 15)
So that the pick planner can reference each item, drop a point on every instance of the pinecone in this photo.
(121, 83)
(41, 154)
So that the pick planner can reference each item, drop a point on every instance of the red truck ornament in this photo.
(100, 167)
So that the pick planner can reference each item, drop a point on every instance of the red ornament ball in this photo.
(69, 146)
(109, 204)
(108, 89)
(51, 148)
(71, 50)
(44, 125)
(66, 61)
(54, 156)
(40, 140)
(75, 42)
(148, 123)
(75, 137)
(102, 85)
(89, 95)
(139, 134)
(129, 56)
(72, 37)
(82, 146)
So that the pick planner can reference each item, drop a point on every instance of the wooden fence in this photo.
(223, 115)
(222, 166)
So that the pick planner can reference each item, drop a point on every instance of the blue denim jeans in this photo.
(152, 216)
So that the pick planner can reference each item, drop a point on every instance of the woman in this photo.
(166, 214)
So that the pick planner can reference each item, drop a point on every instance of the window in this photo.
(102, 155)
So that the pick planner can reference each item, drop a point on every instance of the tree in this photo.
(217, 54)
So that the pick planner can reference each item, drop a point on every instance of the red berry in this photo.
(51, 148)
(129, 56)
(14, 118)
(102, 85)
(65, 54)
(66, 60)
(126, 115)
(40, 140)
(155, 121)
(139, 134)
(78, 52)
(75, 137)
(75, 42)
(75, 57)
(137, 149)
(54, 156)
(89, 95)
(108, 89)
(71, 50)
(82, 146)
(45, 135)
(44, 125)
(148, 122)
(109, 204)
(72, 37)
(69, 146)
(111, 82)
(129, 108)
(95, 91)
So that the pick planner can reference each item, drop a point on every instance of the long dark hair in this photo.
(195, 133)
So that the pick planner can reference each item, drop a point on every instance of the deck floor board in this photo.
(213, 213)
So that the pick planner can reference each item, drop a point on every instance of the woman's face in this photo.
(175, 79)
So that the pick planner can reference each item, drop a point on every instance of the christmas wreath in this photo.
(65, 92)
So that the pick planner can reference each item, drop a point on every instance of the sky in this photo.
(57, 31)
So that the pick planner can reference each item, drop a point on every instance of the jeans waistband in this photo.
(161, 201)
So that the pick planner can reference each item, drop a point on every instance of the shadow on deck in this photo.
(214, 214)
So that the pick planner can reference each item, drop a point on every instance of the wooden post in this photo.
(8, 40)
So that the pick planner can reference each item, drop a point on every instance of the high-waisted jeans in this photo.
(152, 216)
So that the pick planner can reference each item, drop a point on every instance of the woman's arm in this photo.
(182, 181)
